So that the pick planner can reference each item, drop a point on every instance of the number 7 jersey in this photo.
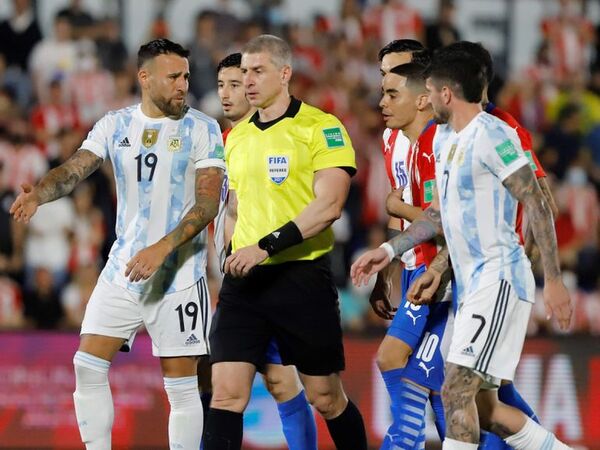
(154, 163)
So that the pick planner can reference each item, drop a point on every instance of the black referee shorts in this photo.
(296, 303)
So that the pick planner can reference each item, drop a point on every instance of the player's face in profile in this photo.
(441, 114)
(168, 83)
(263, 80)
(232, 94)
(391, 60)
(398, 103)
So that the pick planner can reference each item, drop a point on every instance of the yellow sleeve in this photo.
(231, 180)
(331, 145)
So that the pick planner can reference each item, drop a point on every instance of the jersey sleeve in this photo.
(98, 139)
(208, 147)
(331, 146)
(501, 151)
(535, 164)
(426, 168)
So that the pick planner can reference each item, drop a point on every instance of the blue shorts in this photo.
(409, 322)
(425, 365)
(272, 355)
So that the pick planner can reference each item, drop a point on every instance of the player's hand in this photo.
(240, 263)
(368, 264)
(558, 303)
(422, 290)
(380, 300)
(25, 205)
(147, 261)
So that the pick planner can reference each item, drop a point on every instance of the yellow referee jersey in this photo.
(271, 167)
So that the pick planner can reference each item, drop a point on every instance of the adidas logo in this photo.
(276, 234)
(124, 143)
(468, 351)
(191, 340)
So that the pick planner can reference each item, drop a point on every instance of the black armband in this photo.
(282, 238)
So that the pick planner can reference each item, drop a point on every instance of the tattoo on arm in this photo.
(208, 192)
(543, 182)
(427, 226)
(524, 187)
(61, 180)
(440, 263)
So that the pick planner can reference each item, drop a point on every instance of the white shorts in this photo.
(489, 332)
(177, 323)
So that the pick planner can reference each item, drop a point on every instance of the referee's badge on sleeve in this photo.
(279, 168)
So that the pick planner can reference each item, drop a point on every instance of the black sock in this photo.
(348, 429)
(205, 398)
(223, 430)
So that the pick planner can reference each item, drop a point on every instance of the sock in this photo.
(205, 398)
(348, 429)
(407, 430)
(438, 412)
(93, 401)
(491, 441)
(451, 444)
(185, 417)
(508, 394)
(533, 435)
(298, 423)
(224, 430)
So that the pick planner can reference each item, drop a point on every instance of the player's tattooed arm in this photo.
(55, 184)
(524, 187)
(208, 192)
(531, 249)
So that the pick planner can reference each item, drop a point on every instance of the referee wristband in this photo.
(282, 238)
(389, 250)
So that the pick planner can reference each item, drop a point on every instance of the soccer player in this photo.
(169, 168)
(481, 174)
(289, 166)
(297, 419)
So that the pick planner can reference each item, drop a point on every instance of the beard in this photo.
(441, 116)
(169, 107)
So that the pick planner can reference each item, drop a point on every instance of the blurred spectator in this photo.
(569, 35)
(11, 244)
(42, 305)
(576, 92)
(53, 57)
(111, 50)
(563, 141)
(81, 21)
(443, 31)
(88, 227)
(349, 23)
(77, 294)
(19, 34)
(125, 90)
(202, 55)
(393, 19)
(11, 304)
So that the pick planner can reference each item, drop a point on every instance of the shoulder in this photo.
(312, 116)
(201, 118)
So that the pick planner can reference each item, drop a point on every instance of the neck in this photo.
(463, 115)
(277, 108)
(150, 109)
(241, 119)
(413, 130)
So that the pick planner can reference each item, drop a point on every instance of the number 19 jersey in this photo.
(155, 163)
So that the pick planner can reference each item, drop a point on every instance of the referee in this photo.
(289, 173)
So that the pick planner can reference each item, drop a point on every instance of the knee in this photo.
(229, 395)
(282, 387)
(330, 403)
(390, 356)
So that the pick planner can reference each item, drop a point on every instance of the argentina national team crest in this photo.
(279, 168)
(174, 144)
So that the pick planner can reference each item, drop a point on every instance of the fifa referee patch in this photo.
(334, 137)
(507, 152)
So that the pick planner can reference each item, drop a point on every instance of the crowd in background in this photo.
(54, 87)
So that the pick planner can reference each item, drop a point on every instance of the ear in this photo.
(422, 101)
(286, 74)
(143, 77)
(446, 95)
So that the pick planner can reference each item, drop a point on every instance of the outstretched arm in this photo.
(57, 183)
(208, 190)
(524, 187)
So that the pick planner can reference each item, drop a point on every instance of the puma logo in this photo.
(410, 314)
(425, 368)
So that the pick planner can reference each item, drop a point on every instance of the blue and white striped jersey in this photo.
(478, 212)
(155, 162)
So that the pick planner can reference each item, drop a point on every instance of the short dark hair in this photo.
(233, 60)
(422, 57)
(479, 52)
(401, 46)
(460, 71)
(414, 74)
(157, 47)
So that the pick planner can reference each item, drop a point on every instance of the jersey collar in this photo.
(290, 112)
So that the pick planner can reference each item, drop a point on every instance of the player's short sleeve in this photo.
(501, 151)
(535, 164)
(98, 139)
(208, 150)
(331, 146)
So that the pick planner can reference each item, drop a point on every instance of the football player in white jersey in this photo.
(169, 168)
(481, 175)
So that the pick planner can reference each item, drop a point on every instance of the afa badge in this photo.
(278, 167)
(174, 144)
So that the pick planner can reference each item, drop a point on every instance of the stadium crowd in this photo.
(54, 87)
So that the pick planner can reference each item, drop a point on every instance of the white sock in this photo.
(533, 437)
(186, 416)
(93, 401)
(451, 444)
